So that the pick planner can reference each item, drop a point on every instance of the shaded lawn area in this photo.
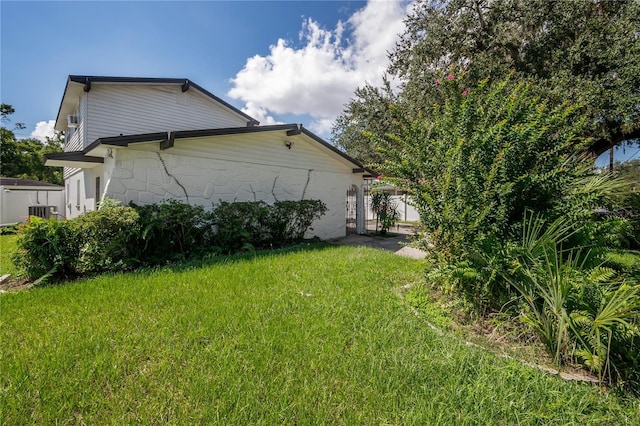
(315, 336)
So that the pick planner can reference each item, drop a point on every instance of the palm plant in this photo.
(385, 209)
(573, 308)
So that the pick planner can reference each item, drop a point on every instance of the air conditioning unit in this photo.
(72, 121)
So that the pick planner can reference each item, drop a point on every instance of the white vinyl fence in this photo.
(406, 212)
(15, 203)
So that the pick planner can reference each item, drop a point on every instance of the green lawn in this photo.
(7, 249)
(315, 336)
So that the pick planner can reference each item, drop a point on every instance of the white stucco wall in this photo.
(80, 188)
(141, 177)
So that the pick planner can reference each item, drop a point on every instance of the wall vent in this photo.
(72, 121)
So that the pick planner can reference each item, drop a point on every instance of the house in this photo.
(21, 198)
(147, 140)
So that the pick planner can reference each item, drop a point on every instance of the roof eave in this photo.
(76, 159)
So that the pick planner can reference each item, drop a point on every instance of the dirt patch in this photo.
(10, 284)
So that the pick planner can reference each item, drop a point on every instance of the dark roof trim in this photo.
(184, 83)
(124, 141)
(73, 156)
(10, 181)
(295, 131)
(184, 134)
(167, 139)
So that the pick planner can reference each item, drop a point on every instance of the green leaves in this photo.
(23, 158)
(576, 311)
(579, 52)
(484, 159)
(385, 209)
(117, 238)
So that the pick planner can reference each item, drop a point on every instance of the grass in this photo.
(7, 248)
(313, 336)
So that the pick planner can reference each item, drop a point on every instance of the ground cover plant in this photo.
(312, 335)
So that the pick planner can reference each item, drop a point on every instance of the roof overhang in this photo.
(100, 147)
(72, 159)
(31, 188)
(93, 154)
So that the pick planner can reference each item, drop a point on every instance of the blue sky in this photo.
(279, 61)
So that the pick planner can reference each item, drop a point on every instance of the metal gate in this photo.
(351, 210)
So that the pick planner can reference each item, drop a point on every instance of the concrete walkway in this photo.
(396, 243)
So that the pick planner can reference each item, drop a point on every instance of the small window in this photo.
(78, 194)
(98, 193)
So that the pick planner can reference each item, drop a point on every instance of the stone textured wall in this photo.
(146, 177)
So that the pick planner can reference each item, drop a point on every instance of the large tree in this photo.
(585, 51)
(23, 158)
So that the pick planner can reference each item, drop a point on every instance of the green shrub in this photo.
(240, 226)
(107, 238)
(48, 247)
(487, 155)
(618, 233)
(288, 221)
(578, 311)
(171, 231)
(116, 237)
(255, 224)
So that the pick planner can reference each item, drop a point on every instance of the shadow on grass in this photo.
(216, 259)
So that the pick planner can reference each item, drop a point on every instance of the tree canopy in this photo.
(584, 51)
(23, 158)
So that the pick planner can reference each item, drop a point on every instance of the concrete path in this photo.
(395, 243)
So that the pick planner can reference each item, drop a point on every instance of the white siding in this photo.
(77, 140)
(115, 109)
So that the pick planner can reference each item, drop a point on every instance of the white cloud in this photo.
(260, 114)
(319, 77)
(43, 130)
(321, 126)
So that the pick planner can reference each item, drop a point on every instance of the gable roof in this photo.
(76, 84)
(93, 154)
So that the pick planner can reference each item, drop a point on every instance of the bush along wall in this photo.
(118, 237)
